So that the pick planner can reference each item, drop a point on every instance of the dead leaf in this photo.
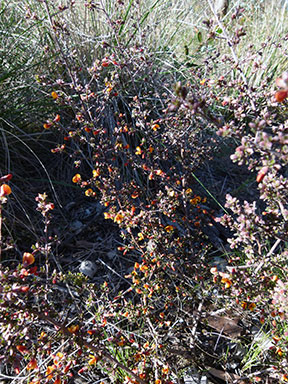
(224, 324)
(225, 376)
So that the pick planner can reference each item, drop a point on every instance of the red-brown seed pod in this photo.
(5, 178)
(281, 95)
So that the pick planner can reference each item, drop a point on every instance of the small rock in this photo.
(88, 268)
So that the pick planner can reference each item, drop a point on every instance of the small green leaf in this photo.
(199, 37)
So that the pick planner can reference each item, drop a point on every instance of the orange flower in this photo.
(143, 267)
(49, 371)
(96, 172)
(165, 370)
(251, 306)
(169, 228)
(5, 190)
(244, 305)
(28, 258)
(76, 178)
(73, 328)
(155, 127)
(89, 192)
(118, 218)
(93, 360)
(195, 200)
(121, 342)
(107, 216)
(227, 282)
(22, 349)
(135, 195)
(32, 365)
(57, 118)
(57, 381)
(54, 95)
(57, 358)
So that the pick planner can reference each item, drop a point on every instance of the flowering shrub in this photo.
(137, 147)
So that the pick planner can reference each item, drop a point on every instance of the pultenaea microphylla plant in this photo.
(140, 168)
(136, 152)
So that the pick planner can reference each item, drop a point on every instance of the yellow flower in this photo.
(76, 178)
(118, 218)
(140, 236)
(96, 172)
(138, 151)
(54, 95)
(227, 282)
(89, 192)
(107, 215)
(73, 328)
(169, 228)
(93, 360)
